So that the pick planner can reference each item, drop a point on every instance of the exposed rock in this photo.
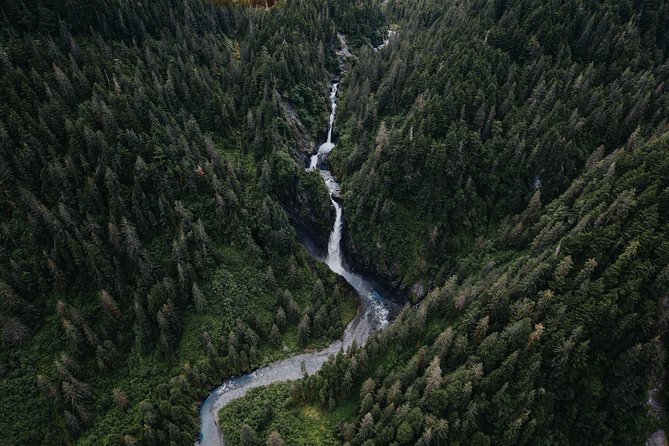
(654, 402)
(659, 438)
(417, 292)
(665, 302)
(309, 212)
(656, 408)
(305, 144)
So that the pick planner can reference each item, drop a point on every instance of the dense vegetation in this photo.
(514, 157)
(511, 157)
(555, 342)
(266, 414)
(478, 104)
(146, 152)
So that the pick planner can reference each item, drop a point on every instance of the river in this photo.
(372, 316)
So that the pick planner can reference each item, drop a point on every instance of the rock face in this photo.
(308, 208)
(659, 438)
(417, 292)
(304, 142)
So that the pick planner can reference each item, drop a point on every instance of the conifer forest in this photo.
(334, 222)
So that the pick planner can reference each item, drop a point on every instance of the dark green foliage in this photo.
(145, 150)
(512, 155)
(303, 426)
(474, 106)
(361, 21)
(553, 343)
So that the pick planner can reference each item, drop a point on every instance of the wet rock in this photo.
(659, 438)
(301, 136)
(665, 303)
(360, 261)
(308, 209)
(417, 292)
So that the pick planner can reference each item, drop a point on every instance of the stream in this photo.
(372, 316)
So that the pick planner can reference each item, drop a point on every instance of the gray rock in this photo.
(417, 291)
(659, 438)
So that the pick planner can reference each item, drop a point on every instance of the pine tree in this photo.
(274, 439)
(247, 436)
(304, 330)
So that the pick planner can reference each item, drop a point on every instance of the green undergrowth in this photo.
(271, 408)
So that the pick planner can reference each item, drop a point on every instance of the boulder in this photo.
(659, 438)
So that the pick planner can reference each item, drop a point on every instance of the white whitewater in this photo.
(313, 162)
(334, 258)
(334, 252)
(390, 36)
(372, 316)
(328, 145)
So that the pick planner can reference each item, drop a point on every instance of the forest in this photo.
(147, 157)
(504, 165)
(480, 105)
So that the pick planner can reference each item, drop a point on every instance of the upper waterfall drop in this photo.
(326, 148)
(334, 256)
(328, 145)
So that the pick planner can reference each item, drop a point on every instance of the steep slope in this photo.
(475, 105)
(513, 156)
(145, 155)
(554, 342)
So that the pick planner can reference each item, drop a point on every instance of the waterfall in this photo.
(313, 162)
(328, 145)
(334, 258)
(333, 102)
(391, 34)
(373, 315)
(334, 244)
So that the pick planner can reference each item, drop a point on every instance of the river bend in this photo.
(372, 316)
